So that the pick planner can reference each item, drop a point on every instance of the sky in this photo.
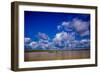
(53, 24)
(47, 22)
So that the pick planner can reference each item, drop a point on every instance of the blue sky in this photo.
(47, 22)
(53, 23)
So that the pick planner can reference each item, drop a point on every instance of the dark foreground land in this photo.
(37, 55)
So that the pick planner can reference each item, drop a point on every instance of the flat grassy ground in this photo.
(37, 55)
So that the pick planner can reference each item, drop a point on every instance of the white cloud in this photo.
(27, 40)
(84, 40)
(59, 27)
(33, 45)
(65, 36)
(66, 26)
(77, 24)
(43, 36)
(80, 26)
(63, 39)
(64, 23)
(43, 46)
(61, 36)
(84, 43)
(86, 33)
(58, 37)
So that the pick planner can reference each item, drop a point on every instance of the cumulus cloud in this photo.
(43, 36)
(60, 36)
(33, 45)
(86, 33)
(85, 43)
(27, 40)
(66, 26)
(80, 25)
(63, 40)
(64, 36)
(43, 46)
